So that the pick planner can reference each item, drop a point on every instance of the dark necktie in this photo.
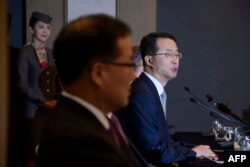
(116, 131)
(118, 134)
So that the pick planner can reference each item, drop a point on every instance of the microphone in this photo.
(197, 100)
(224, 108)
(194, 96)
(213, 113)
(220, 106)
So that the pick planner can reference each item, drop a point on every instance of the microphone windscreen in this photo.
(187, 89)
(209, 98)
(193, 100)
(222, 107)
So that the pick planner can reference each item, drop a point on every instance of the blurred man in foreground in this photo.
(93, 57)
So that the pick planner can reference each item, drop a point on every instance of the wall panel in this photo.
(214, 39)
(85, 7)
(54, 8)
(140, 15)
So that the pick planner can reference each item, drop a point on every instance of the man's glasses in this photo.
(131, 65)
(171, 54)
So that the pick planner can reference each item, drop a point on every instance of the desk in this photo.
(193, 138)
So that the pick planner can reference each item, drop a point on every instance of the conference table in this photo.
(191, 139)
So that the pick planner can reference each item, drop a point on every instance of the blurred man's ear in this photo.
(148, 60)
(97, 73)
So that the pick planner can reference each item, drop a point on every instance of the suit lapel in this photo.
(154, 92)
(33, 56)
(49, 56)
(80, 111)
(137, 154)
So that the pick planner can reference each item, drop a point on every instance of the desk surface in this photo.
(195, 138)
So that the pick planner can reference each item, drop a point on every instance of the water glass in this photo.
(218, 130)
(238, 141)
(228, 133)
(245, 144)
(239, 136)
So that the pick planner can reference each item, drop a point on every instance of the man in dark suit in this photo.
(144, 119)
(93, 57)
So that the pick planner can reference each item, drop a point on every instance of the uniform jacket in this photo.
(144, 122)
(33, 81)
(74, 137)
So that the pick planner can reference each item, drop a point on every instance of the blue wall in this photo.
(214, 37)
(16, 34)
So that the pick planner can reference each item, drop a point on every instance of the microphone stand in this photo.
(216, 114)
(225, 109)
(222, 107)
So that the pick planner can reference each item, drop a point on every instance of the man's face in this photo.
(117, 85)
(165, 67)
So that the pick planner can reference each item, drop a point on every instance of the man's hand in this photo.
(204, 151)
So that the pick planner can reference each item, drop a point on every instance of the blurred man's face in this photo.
(120, 76)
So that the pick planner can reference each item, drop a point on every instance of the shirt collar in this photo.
(94, 110)
(157, 84)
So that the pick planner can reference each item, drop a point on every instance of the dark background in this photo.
(17, 30)
(214, 37)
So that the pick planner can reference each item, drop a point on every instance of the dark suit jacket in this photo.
(30, 75)
(144, 123)
(74, 137)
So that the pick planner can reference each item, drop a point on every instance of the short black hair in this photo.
(148, 44)
(87, 38)
(38, 16)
